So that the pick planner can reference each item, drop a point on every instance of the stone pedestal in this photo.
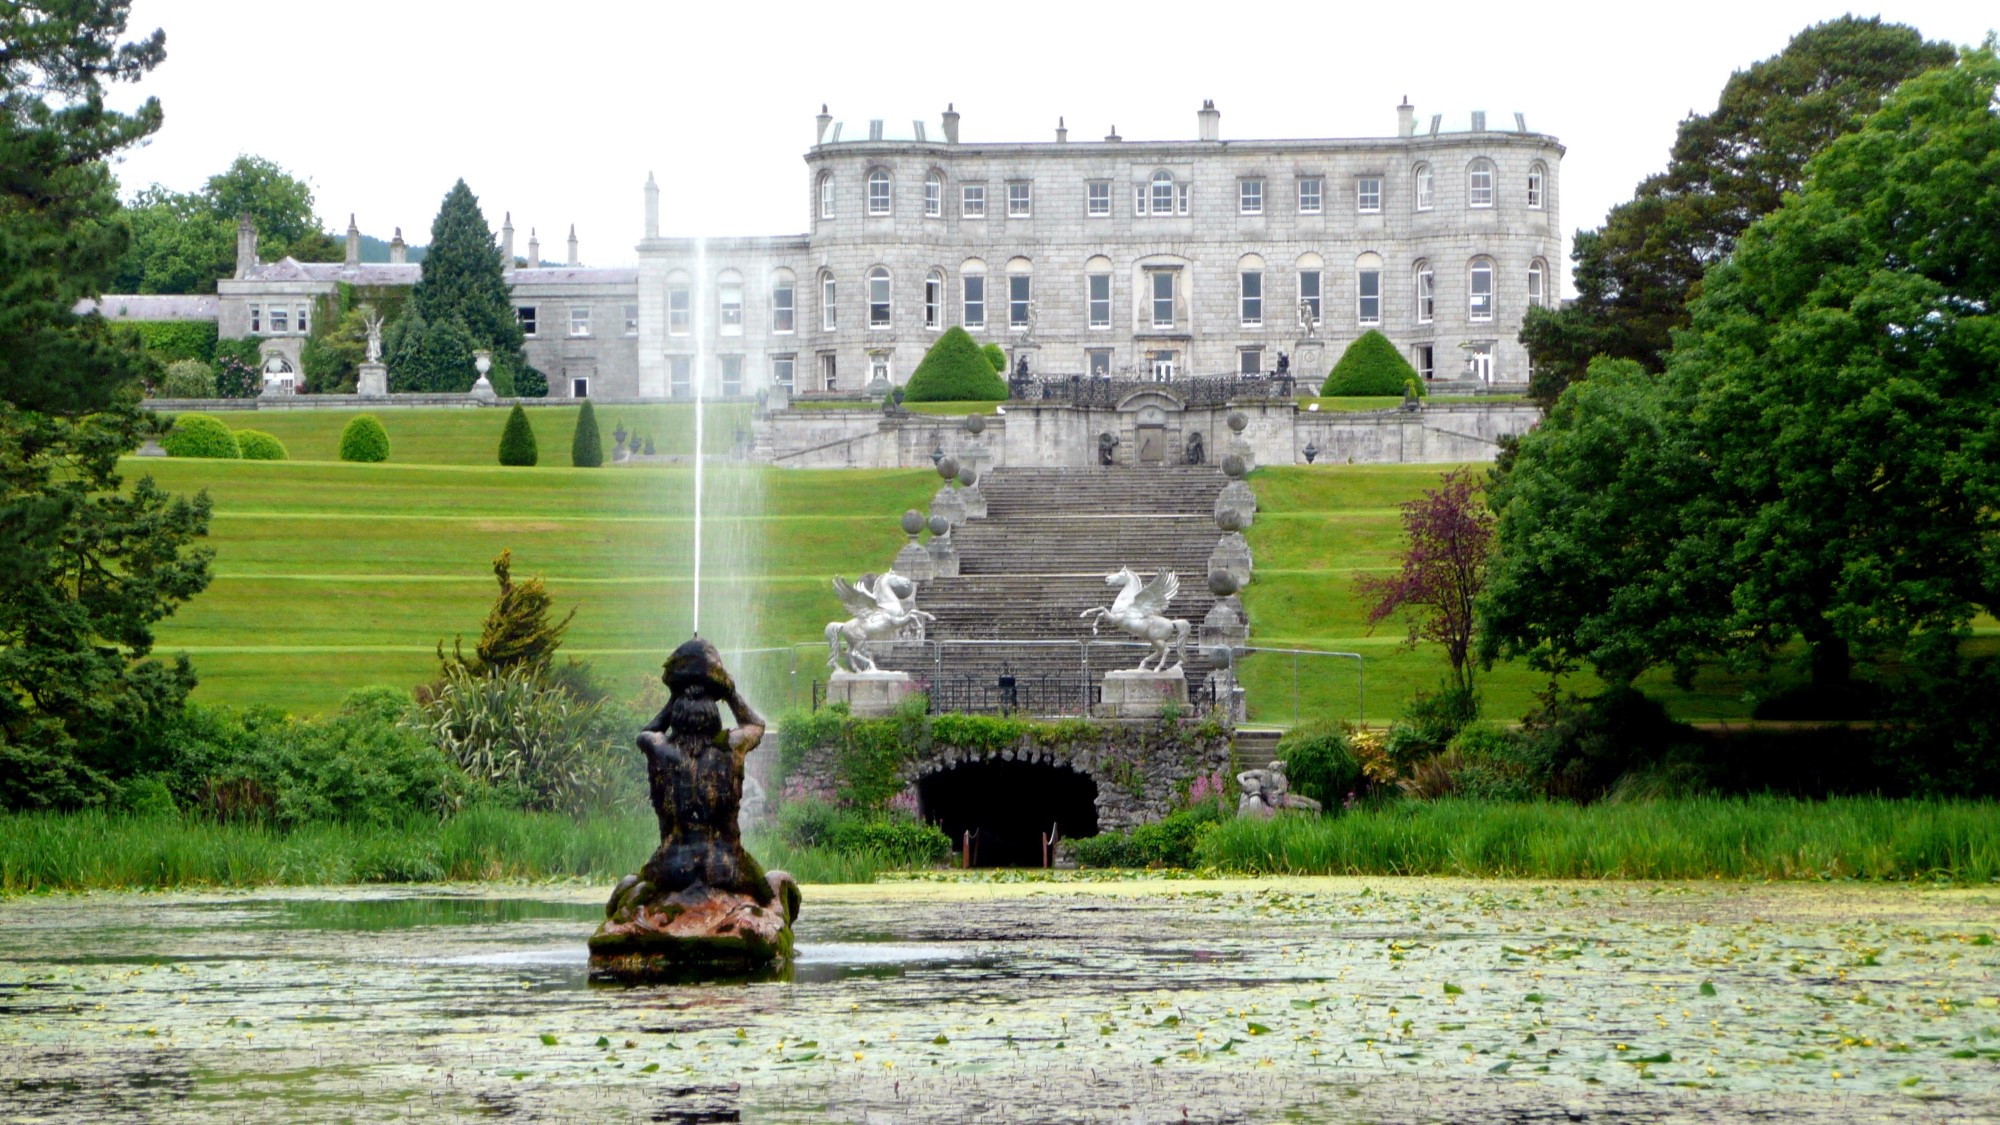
(483, 391)
(373, 381)
(1238, 497)
(944, 557)
(974, 501)
(778, 398)
(1232, 553)
(948, 504)
(1226, 624)
(872, 695)
(914, 562)
(1228, 694)
(1133, 694)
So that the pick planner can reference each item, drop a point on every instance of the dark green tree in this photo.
(91, 565)
(955, 369)
(462, 282)
(1636, 274)
(517, 441)
(586, 446)
(1371, 365)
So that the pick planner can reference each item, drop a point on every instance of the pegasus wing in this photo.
(858, 600)
(1154, 596)
(885, 597)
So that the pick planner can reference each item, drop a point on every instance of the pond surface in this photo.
(1015, 1000)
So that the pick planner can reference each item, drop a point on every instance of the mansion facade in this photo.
(1146, 259)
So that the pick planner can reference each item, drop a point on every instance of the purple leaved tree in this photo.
(1450, 533)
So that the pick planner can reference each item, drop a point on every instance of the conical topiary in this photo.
(1371, 365)
(586, 446)
(517, 441)
(955, 370)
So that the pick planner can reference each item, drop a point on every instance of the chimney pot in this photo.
(1406, 118)
(824, 119)
(950, 124)
(1209, 121)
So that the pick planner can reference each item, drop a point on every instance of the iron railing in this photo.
(1105, 391)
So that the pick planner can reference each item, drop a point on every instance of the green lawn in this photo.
(471, 436)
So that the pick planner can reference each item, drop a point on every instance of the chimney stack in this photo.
(1210, 121)
(246, 244)
(1062, 134)
(573, 263)
(825, 119)
(353, 243)
(652, 207)
(1113, 135)
(534, 250)
(950, 124)
(399, 251)
(507, 243)
(1406, 118)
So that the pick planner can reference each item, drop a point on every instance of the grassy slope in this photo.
(472, 436)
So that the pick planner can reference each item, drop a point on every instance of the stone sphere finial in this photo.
(967, 476)
(947, 467)
(1222, 656)
(1222, 583)
(913, 522)
(1233, 467)
(940, 525)
(1236, 421)
(1229, 519)
(975, 424)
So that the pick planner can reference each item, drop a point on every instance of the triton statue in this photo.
(884, 609)
(1140, 610)
(1266, 792)
(701, 906)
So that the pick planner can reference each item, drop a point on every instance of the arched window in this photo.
(934, 300)
(972, 280)
(828, 294)
(934, 196)
(1537, 276)
(1097, 291)
(784, 301)
(1479, 290)
(826, 195)
(878, 298)
(1368, 289)
(1020, 294)
(1250, 291)
(878, 192)
(1425, 196)
(1479, 183)
(1161, 198)
(1538, 174)
(729, 303)
(1312, 286)
(1426, 293)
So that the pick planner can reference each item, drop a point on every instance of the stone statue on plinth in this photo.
(1140, 610)
(701, 906)
(372, 380)
(373, 326)
(884, 609)
(1265, 793)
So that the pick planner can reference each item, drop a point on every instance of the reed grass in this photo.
(43, 852)
(1696, 838)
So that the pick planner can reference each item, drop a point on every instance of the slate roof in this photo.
(367, 273)
(151, 306)
(580, 275)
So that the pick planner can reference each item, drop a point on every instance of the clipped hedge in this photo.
(997, 356)
(517, 441)
(260, 446)
(188, 378)
(1371, 365)
(198, 435)
(955, 370)
(586, 445)
(364, 439)
(171, 340)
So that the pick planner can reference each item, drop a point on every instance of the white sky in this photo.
(556, 111)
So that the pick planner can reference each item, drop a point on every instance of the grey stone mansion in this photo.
(1134, 259)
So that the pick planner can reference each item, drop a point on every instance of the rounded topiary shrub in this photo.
(198, 435)
(517, 441)
(997, 356)
(955, 370)
(364, 439)
(1319, 763)
(586, 446)
(188, 378)
(1371, 365)
(260, 446)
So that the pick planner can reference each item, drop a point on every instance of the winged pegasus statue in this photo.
(1140, 609)
(884, 609)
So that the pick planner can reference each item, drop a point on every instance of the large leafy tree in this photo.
(1821, 461)
(462, 301)
(182, 242)
(1636, 274)
(90, 567)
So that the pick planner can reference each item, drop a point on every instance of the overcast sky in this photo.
(557, 111)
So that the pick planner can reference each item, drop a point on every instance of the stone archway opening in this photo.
(1008, 806)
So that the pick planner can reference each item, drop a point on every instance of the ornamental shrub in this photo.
(1320, 764)
(997, 356)
(1371, 365)
(364, 439)
(198, 435)
(517, 441)
(586, 446)
(260, 446)
(1172, 841)
(188, 378)
(954, 370)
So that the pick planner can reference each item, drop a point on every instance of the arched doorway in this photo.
(1008, 807)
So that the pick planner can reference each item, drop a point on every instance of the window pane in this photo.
(1371, 296)
(973, 201)
(1480, 187)
(1100, 300)
(1253, 297)
(934, 197)
(1482, 292)
(1426, 298)
(781, 371)
(677, 310)
(732, 374)
(975, 300)
(1017, 300)
(523, 313)
(579, 321)
(1252, 197)
(631, 320)
(933, 300)
(878, 193)
(1163, 195)
(730, 303)
(827, 300)
(878, 299)
(1368, 193)
(1017, 200)
(1309, 291)
(1250, 361)
(1309, 197)
(1423, 189)
(1100, 199)
(1163, 299)
(782, 304)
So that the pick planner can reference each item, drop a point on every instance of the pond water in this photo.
(1019, 999)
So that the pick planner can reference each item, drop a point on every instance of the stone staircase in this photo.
(1037, 561)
